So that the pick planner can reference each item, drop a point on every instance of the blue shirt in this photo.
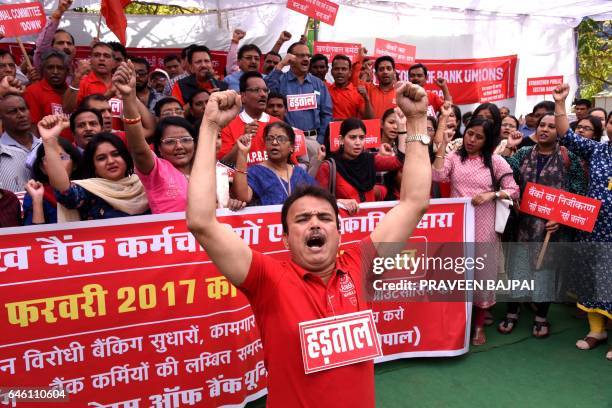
(233, 80)
(269, 189)
(286, 83)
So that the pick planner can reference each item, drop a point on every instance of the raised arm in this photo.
(443, 85)
(577, 144)
(232, 54)
(273, 78)
(400, 221)
(282, 38)
(45, 37)
(230, 254)
(49, 129)
(240, 186)
(72, 93)
(124, 80)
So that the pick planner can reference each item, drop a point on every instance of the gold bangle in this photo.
(560, 114)
(129, 121)
(439, 157)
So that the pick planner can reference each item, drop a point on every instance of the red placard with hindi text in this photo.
(301, 102)
(474, 80)
(372, 139)
(543, 85)
(322, 10)
(21, 19)
(331, 49)
(338, 341)
(561, 206)
(401, 53)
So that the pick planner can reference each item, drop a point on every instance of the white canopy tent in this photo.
(539, 32)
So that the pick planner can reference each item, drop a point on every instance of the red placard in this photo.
(300, 143)
(331, 49)
(338, 341)
(21, 19)
(401, 53)
(322, 10)
(372, 139)
(561, 206)
(470, 80)
(543, 85)
(132, 309)
(301, 102)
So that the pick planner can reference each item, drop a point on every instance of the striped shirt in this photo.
(13, 172)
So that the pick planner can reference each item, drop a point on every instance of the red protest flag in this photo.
(114, 15)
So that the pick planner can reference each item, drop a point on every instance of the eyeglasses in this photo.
(508, 125)
(171, 112)
(171, 142)
(258, 90)
(585, 128)
(278, 139)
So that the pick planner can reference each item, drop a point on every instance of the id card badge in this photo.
(338, 341)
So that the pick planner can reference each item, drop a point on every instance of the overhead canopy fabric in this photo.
(539, 32)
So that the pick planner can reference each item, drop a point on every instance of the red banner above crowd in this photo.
(470, 80)
(131, 312)
(401, 53)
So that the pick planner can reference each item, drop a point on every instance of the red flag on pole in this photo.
(113, 13)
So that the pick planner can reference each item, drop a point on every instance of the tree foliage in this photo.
(137, 7)
(594, 56)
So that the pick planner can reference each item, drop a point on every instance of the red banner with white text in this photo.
(155, 56)
(131, 312)
(21, 19)
(475, 80)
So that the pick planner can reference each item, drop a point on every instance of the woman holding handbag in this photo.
(550, 165)
(470, 171)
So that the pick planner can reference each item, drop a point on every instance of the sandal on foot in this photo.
(537, 328)
(609, 354)
(509, 323)
(591, 342)
(479, 337)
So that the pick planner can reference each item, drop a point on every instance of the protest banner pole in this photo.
(99, 25)
(543, 251)
(306, 27)
(25, 54)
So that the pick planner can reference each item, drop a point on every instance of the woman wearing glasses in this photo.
(164, 172)
(509, 125)
(273, 180)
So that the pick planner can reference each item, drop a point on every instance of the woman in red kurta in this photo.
(356, 168)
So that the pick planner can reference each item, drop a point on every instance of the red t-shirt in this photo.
(42, 100)
(380, 100)
(434, 103)
(344, 189)
(91, 84)
(235, 129)
(347, 101)
(282, 295)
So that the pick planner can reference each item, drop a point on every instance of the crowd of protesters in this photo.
(74, 160)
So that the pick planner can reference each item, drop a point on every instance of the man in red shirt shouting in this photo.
(317, 282)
